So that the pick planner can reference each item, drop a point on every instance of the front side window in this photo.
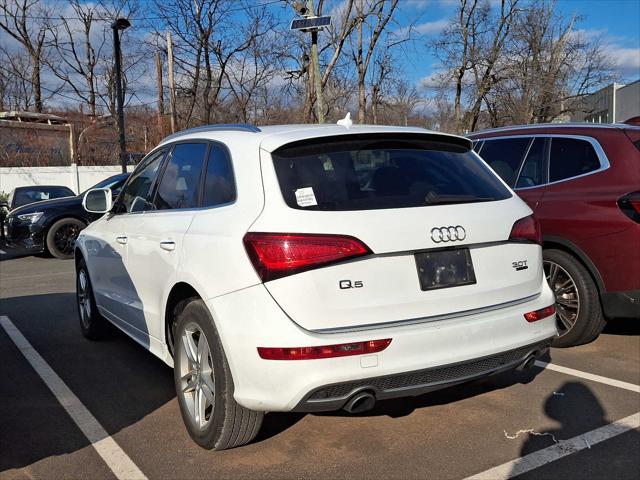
(219, 184)
(532, 173)
(571, 157)
(180, 184)
(382, 171)
(504, 156)
(135, 196)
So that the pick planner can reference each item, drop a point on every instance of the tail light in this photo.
(526, 229)
(630, 206)
(540, 314)
(276, 255)
(325, 351)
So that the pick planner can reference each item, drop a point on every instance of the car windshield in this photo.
(378, 172)
(24, 196)
(114, 183)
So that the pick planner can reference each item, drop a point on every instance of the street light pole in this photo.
(117, 25)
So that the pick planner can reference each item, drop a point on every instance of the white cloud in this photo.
(429, 28)
(426, 28)
(626, 59)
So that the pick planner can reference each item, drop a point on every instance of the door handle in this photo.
(168, 245)
(122, 240)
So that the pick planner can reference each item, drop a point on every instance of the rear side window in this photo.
(219, 184)
(505, 156)
(570, 157)
(180, 184)
(532, 173)
(374, 172)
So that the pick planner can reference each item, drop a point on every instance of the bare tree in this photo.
(373, 16)
(78, 50)
(549, 68)
(25, 21)
(454, 48)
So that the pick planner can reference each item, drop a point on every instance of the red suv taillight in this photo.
(276, 255)
(526, 229)
(630, 206)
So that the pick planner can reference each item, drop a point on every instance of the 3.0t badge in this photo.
(448, 234)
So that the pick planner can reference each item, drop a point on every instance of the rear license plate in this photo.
(445, 269)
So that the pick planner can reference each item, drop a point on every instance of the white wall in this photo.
(77, 178)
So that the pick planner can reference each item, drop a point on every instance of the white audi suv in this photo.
(312, 268)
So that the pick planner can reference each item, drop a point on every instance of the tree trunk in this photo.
(35, 80)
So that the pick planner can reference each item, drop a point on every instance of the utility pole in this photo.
(117, 25)
(315, 61)
(160, 94)
(172, 93)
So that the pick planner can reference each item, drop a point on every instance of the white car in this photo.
(310, 268)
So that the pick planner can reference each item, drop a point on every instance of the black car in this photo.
(24, 195)
(53, 225)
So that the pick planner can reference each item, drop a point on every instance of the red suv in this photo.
(583, 183)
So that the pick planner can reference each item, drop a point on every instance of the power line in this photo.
(105, 19)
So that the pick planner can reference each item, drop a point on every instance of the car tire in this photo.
(204, 384)
(92, 324)
(62, 235)
(578, 311)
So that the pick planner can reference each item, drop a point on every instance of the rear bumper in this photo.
(334, 397)
(621, 304)
(250, 318)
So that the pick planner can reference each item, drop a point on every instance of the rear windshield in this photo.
(339, 174)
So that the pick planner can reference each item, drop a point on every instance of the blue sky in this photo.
(617, 22)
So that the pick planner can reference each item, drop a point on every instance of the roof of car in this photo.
(554, 126)
(272, 137)
(40, 187)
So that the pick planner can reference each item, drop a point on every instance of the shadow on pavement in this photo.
(622, 326)
(575, 421)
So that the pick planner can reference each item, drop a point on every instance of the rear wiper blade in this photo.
(441, 200)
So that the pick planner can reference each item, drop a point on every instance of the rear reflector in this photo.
(326, 351)
(276, 255)
(630, 206)
(526, 229)
(540, 314)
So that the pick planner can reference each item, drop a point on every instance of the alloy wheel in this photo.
(197, 381)
(567, 296)
(84, 298)
(65, 238)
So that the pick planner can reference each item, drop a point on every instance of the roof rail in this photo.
(237, 127)
(548, 125)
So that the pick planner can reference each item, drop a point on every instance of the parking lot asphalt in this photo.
(454, 433)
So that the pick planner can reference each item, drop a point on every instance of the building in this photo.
(612, 104)
(30, 139)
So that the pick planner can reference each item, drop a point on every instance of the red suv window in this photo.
(571, 157)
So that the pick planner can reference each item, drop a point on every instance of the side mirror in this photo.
(98, 200)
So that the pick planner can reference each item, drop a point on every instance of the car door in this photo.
(107, 247)
(155, 245)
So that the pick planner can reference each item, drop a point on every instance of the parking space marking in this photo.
(589, 376)
(561, 449)
(115, 458)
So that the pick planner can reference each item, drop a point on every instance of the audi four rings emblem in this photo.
(448, 234)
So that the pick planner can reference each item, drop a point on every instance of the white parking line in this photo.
(115, 458)
(561, 449)
(589, 376)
